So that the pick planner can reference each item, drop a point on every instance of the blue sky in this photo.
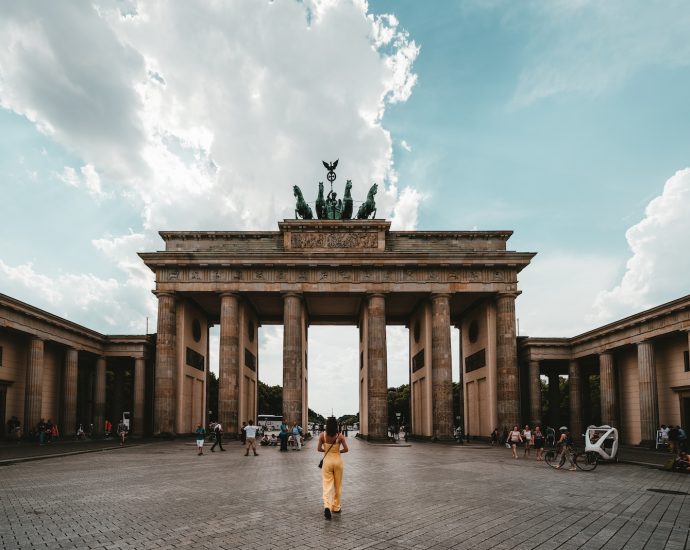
(567, 122)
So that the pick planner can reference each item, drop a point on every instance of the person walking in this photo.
(200, 436)
(527, 439)
(249, 432)
(218, 432)
(333, 444)
(514, 439)
(565, 448)
(284, 434)
(539, 442)
(122, 432)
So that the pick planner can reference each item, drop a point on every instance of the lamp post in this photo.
(397, 427)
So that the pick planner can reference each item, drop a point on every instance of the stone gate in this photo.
(356, 272)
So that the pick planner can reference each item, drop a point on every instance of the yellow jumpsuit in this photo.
(332, 476)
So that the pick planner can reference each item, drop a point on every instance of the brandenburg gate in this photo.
(338, 272)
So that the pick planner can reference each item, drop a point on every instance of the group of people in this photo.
(674, 438)
(526, 437)
(332, 442)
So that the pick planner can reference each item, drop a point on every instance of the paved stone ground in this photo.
(161, 495)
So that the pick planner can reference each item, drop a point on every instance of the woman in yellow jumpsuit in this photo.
(333, 444)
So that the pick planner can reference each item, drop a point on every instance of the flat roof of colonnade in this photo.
(335, 264)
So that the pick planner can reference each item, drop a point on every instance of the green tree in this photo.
(399, 402)
(269, 399)
(315, 417)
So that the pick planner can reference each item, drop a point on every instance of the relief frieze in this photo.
(358, 274)
(334, 240)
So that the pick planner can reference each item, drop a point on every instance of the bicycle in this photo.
(584, 460)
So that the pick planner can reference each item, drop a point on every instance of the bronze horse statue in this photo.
(347, 202)
(302, 209)
(369, 206)
(321, 204)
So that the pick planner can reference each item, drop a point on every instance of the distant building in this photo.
(640, 363)
(53, 369)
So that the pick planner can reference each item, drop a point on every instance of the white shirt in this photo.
(251, 430)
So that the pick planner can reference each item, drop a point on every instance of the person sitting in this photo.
(264, 441)
(682, 463)
(274, 441)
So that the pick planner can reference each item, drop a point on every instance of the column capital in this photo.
(376, 295)
(228, 293)
(508, 294)
(440, 295)
(293, 294)
(161, 293)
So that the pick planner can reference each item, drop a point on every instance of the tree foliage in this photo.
(270, 399)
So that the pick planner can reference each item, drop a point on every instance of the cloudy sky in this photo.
(567, 122)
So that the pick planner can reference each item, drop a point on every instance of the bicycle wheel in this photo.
(553, 458)
(586, 461)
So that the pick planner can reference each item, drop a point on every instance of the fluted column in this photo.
(166, 358)
(575, 399)
(99, 397)
(33, 392)
(377, 372)
(534, 394)
(139, 392)
(441, 367)
(69, 396)
(229, 364)
(649, 406)
(607, 388)
(508, 389)
(292, 358)
(554, 400)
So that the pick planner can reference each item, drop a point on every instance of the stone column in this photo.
(117, 407)
(534, 394)
(33, 392)
(575, 398)
(166, 358)
(139, 392)
(649, 405)
(508, 388)
(377, 372)
(461, 383)
(607, 389)
(69, 397)
(554, 400)
(229, 364)
(292, 357)
(441, 367)
(99, 397)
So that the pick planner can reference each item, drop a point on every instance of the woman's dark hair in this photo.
(331, 426)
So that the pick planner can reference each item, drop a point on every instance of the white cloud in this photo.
(100, 304)
(558, 291)
(406, 146)
(203, 115)
(590, 47)
(87, 178)
(658, 269)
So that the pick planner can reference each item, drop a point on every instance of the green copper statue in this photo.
(331, 207)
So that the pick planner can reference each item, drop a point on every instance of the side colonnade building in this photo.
(640, 364)
(54, 369)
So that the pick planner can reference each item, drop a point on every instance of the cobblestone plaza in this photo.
(162, 495)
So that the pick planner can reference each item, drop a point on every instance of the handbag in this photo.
(329, 448)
